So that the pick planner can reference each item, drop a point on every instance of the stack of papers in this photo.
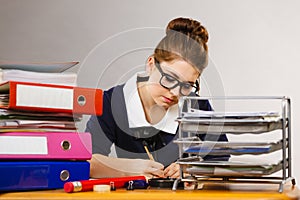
(263, 116)
(233, 122)
(194, 146)
(48, 67)
(52, 73)
(21, 121)
(229, 168)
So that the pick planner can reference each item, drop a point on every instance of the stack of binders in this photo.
(40, 147)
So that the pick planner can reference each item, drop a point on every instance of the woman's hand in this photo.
(148, 168)
(172, 171)
(103, 166)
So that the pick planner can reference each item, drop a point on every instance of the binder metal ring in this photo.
(81, 100)
(64, 175)
(66, 145)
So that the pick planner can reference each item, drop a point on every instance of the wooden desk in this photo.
(210, 193)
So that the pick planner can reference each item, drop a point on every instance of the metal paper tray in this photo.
(227, 168)
(232, 171)
(228, 125)
(193, 145)
(266, 116)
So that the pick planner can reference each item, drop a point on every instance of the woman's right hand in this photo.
(103, 166)
(149, 168)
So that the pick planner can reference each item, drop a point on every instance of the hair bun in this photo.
(189, 27)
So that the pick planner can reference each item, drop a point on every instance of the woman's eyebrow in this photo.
(172, 73)
(177, 77)
(191, 82)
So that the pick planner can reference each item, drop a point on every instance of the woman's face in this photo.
(176, 70)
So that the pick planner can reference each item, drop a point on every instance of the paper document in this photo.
(66, 78)
(231, 115)
(50, 67)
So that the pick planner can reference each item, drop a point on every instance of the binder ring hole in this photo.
(81, 100)
(66, 145)
(64, 175)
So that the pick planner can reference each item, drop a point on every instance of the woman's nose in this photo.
(175, 91)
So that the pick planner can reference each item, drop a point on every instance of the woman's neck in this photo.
(153, 112)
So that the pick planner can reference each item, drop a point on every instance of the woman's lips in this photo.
(167, 100)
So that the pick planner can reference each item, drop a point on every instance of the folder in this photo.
(50, 98)
(45, 145)
(37, 124)
(31, 175)
(23, 115)
(46, 67)
(66, 78)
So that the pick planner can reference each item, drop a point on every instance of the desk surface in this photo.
(209, 193)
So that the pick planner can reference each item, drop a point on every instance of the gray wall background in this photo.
(254, 44)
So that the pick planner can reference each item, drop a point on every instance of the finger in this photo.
(154, 168)
(175, 175)
(169, 168)
(154, 172)
(155, 165)
(158, 173)
(172, 171)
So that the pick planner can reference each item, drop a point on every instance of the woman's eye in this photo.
(170, 78)
(186, 86)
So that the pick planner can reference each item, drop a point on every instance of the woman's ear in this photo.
(150, 65)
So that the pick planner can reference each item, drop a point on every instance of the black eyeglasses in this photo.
(170, 82)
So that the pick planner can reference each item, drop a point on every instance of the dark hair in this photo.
(185, 39)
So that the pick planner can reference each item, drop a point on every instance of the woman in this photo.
(140, 115)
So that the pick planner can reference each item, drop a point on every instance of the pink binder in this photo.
(46, 145)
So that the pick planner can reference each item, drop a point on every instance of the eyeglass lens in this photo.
(170, 82)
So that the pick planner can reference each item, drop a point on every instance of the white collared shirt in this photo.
(135, 111)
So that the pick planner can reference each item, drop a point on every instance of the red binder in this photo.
(50, 98)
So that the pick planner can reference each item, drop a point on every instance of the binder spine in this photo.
(46, 145)
(38, 175)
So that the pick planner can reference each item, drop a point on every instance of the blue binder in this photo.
(38, 175)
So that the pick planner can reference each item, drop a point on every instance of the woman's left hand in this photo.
(172, 171)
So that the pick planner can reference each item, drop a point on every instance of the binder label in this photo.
(23, 145)
(45, 97)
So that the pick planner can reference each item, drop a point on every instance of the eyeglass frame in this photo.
(180, 83)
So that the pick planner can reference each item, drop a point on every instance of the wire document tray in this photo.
(211, 160)
(194, 145)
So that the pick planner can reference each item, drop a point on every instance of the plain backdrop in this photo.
(254, 45)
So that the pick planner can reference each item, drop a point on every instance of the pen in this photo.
(149, 154)
(87, 185)
(147, 151)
